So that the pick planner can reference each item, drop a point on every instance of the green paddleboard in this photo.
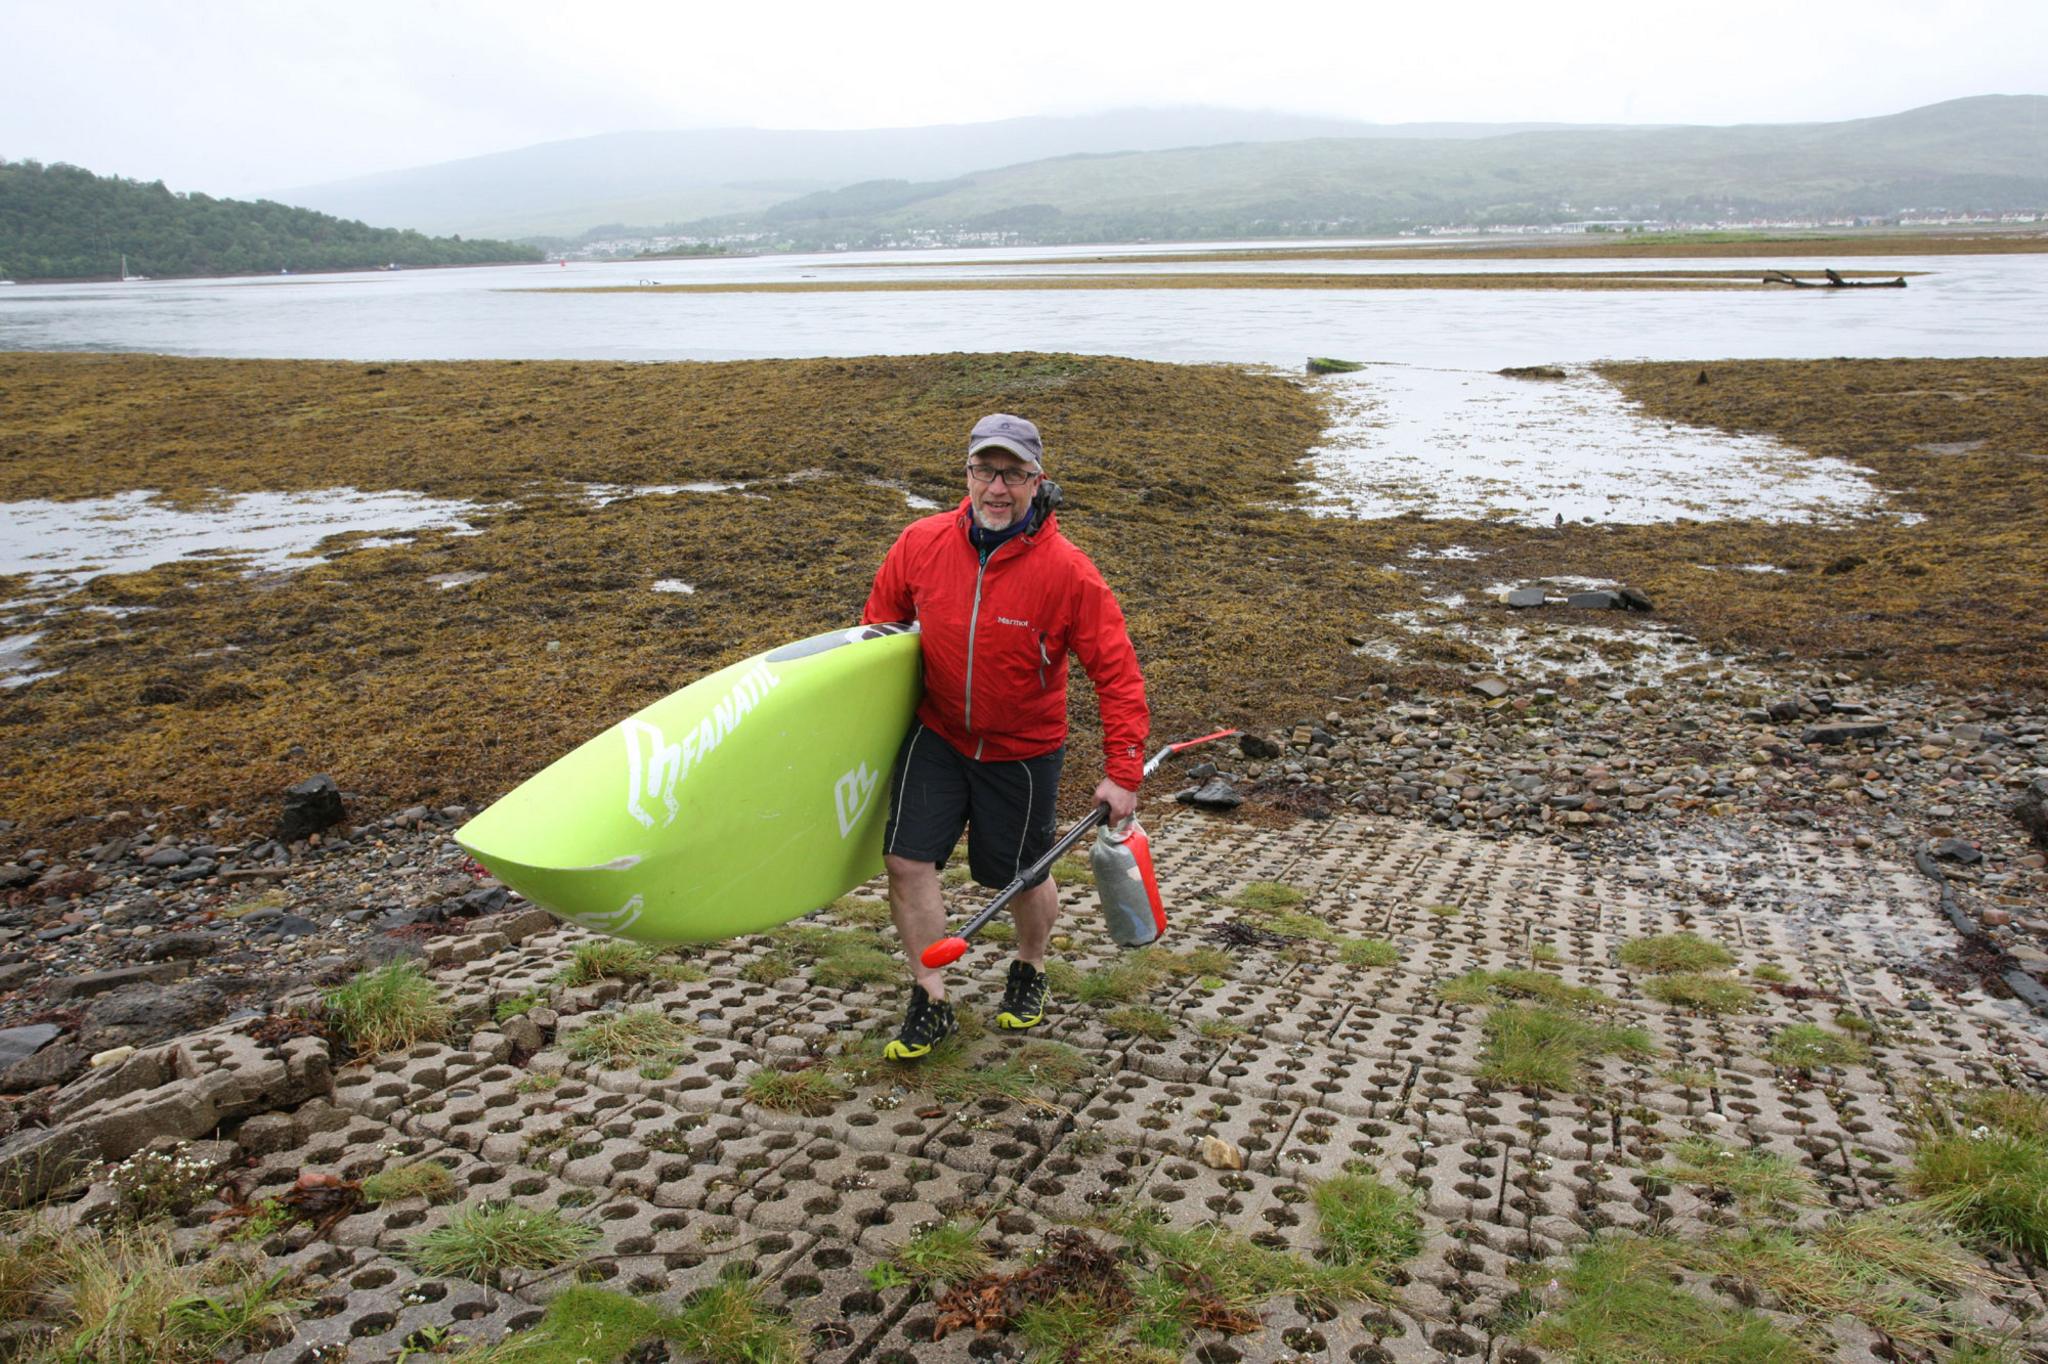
(748, 798)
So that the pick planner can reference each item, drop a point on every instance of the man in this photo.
(1000, 597)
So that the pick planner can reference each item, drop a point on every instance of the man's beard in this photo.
(982, 519)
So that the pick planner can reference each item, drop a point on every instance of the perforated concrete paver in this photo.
(1304, 1066)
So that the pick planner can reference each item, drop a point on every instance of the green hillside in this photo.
(1983, 154)
(61, 222)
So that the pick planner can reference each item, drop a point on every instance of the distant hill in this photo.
(650, 178)
(1982, 154)
(61, 222)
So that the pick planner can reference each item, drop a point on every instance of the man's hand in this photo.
(1122, 804)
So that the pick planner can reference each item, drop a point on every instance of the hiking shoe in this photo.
(926, 1023)
(1023, 997)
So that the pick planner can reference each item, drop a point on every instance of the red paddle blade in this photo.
(945, 952)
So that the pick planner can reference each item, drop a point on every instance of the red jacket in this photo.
(996, 640)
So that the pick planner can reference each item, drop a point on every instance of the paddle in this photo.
(946, 951)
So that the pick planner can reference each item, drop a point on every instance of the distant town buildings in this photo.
(626, 247)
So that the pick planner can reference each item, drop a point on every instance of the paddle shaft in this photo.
(1066, 843)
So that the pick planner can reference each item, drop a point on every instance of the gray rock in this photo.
(184, 946)
(1634, 600)
(312, 805)
(286, 926)
(13, 876)
(1522, 598)
(1257, 747)
(138, 1015)
(1844, 733)
(2031, 810)
(1214, 794)
(36, 1162)
(1601, 600)
(16, 973)
(18, 1044)
(524, 1034)
(100, 982)
(1955, 850)
(53, 1065)
(1492, 687)
(267, 1133)
(167, 857)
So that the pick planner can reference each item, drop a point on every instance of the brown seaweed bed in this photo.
(1178, 479)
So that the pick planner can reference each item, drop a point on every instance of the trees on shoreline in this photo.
(62, 222)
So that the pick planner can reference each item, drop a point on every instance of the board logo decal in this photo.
(852, 794)
(654, 766)
(612, 921)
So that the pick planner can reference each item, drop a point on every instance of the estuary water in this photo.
(1427, 425)
(1962, 306)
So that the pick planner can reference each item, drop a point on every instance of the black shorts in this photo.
(935, 791)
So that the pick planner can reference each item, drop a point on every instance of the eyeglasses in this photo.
(1015, 476)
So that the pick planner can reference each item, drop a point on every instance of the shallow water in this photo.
(1463, 443)
(60, 545)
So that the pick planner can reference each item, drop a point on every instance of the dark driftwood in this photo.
(1835, 281)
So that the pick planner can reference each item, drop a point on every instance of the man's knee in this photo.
(908, 870)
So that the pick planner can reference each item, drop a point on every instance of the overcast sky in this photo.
(237, 97)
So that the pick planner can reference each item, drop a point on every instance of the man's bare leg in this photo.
(920, 916)
(1035, 911)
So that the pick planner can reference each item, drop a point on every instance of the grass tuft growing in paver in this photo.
(1988, 1181)
(634, 1037)
(859, 909)
(481, 1241)
(1267, 895)
(1756, 1180)
(1803, 1046)
(1883, 1269)
(1366, 1223)
(1140, 1021)
(426, 1179)
(1133, 976)
(1620, 1304)
(1367, 952)
(124, 1295)
(583, 1325)
(962, 1069)
(728, 1323)
(946, 1254)
(812, 1092)
(837, 958)
(1073, 870)
(589, 1325)
(1476, 988)
(1027, 1074)
(612, 958)
(1190, 1278)
(1701, 992)
(1533, 1047)
(2014, 1111)
(1670, 952)
(389, 1009)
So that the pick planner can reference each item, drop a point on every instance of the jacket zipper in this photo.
(974, 624)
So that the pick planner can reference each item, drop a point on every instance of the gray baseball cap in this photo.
(1001, 431)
